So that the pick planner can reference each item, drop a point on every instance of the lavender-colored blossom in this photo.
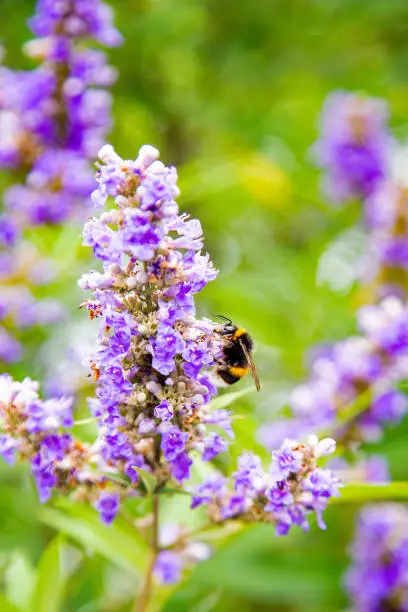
(8, 449)
(49, 415)
(88, 19)
(233, 506)
(53, 120)
(56, 117)
(165, 346)
(11, 349)
(108, 506)
(354, 145)
(208, 491)
(250, 476)
(44, 476)
(178, 551)
(173, 443)
(34, 430)
(285, 461)
(376, 579)
(180, 467)
(53, 449)
(168, 567)
(386, 262)
(386, 326)
(390, 407)
(213, 445)
(294, 487)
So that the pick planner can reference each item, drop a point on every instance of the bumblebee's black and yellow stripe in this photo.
(236, 355)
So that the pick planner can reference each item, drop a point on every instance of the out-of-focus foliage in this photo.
(230, 92)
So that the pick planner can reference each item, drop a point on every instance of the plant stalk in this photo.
(141, 603)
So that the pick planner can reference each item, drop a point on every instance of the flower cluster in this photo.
(53, 119)
(377, 578)
(293, 488)
(37, 431)
(354, 145)
(361, 160)
(32, 429)
(365, 369)
(153, 359)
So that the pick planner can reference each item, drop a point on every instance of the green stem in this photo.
(365, 492)
(346, 413)
(141, 603)
(86, 421)
(222, 529)
(350, 411)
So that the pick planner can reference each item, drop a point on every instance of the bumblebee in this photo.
(236, 357)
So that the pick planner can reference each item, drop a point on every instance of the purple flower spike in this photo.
(153, 359)
(354, 145)
(376, 579)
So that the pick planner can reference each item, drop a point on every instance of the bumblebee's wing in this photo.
(251, 365)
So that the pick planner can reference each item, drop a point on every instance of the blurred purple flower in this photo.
(354, 145)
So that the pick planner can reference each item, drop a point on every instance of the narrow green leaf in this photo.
(364, 492)
(222, 401)
(120, 543)
(49, 587)
(149, 481)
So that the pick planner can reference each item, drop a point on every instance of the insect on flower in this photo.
(236, 358)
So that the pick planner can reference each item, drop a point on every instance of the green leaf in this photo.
(19, 580)
(363, 492)
(49, 587)
(149, 481)
(120, 543)
(222, 401)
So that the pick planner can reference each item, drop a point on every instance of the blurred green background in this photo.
(230, 92)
